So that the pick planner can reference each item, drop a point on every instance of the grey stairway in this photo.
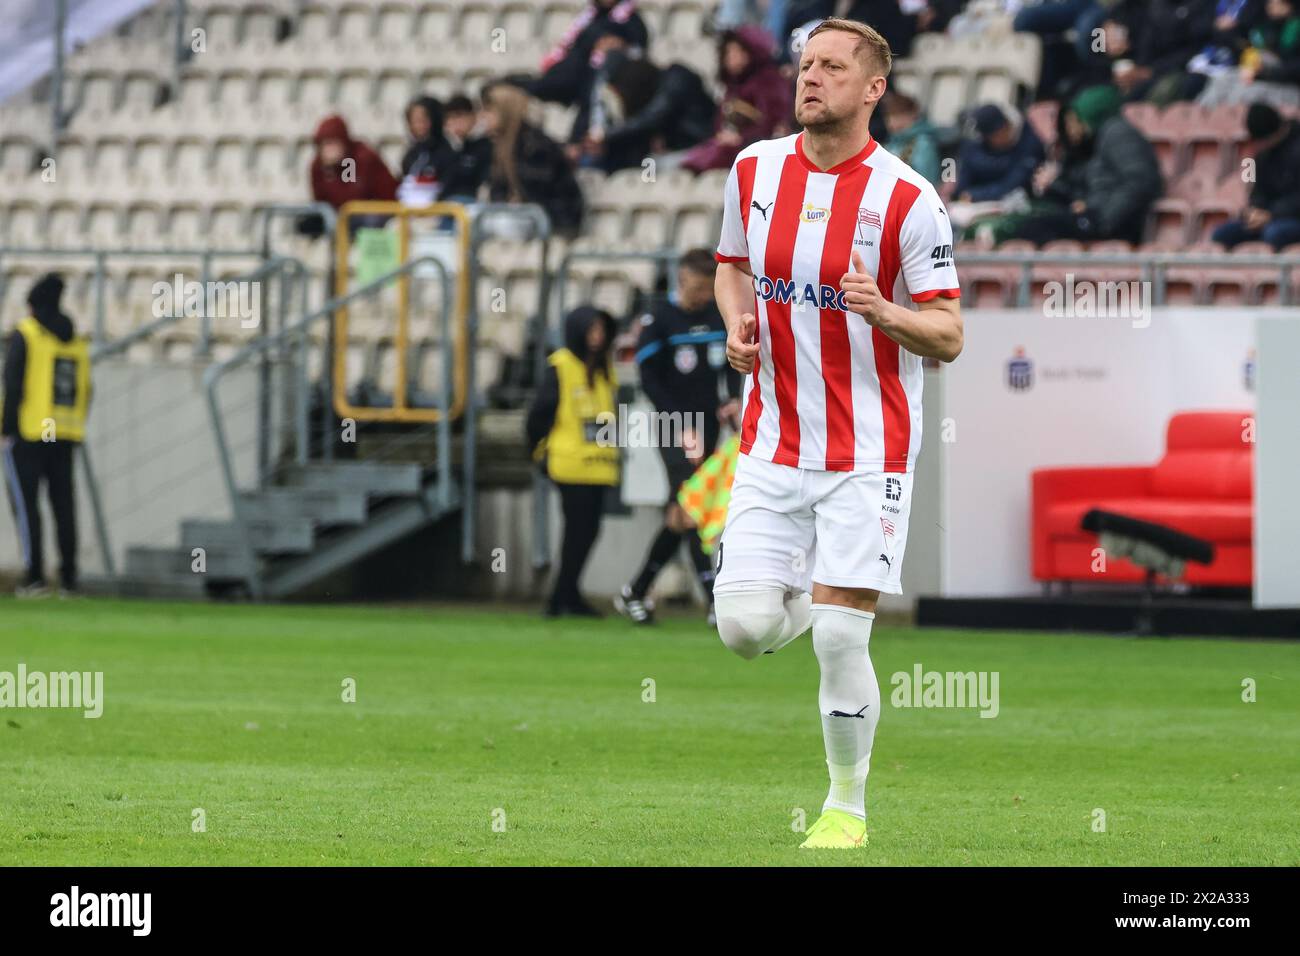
(323, 517)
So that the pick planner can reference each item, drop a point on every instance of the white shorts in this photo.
(796, 526)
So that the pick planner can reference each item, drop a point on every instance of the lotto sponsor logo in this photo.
(786, 291)
(814, 214)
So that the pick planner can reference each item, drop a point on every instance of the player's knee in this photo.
(749, 621)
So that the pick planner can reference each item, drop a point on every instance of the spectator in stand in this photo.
(1051, 17)
(419, 185)
(912, 137)
(898, 21)
(465, 160)
(575, 400)
(1273, 215)
(771, 15)
(1066, 28)
(569, 71)
(1269, 70)
(527, 165)
(345, 169)
(650, 110)
(1171, 32)
(1232, 20)
(1110, 184)
(1145, 46)
(757, 102)
(995, 166)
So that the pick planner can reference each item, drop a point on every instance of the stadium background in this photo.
(208, 434)
(193, 164)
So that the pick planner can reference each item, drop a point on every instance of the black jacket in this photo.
(568, 80)
(1117, 175)
(420, 155)
(679, 115)
(545, 178)
(682, 357)
(44, 301)
(461, 171)
(1277, 177)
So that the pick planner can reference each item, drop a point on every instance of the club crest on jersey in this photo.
(815, 214)
(786, 291)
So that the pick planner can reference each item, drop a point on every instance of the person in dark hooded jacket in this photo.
(419, 184)
(1110, 182)
(572, 427)
(660, 110)
(1273, 213)
(332, 181)
(569, 70)
(46, 397)
(757, 102)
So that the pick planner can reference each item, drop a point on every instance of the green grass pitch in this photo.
(489, 737)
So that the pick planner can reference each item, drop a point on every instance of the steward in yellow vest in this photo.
(46, 397)
(572, 429)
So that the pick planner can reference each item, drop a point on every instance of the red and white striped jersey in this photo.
(829, 392)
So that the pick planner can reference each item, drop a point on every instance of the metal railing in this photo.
(206, 258)
(296, 337)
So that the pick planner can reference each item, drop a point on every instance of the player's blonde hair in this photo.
(872, 49)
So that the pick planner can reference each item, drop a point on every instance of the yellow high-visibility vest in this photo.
(582, 447)
(56, 385)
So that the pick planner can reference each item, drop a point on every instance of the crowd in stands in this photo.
(1092, 175)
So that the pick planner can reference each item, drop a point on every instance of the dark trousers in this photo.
(1278, 233)
(583, 507)
(26, 465)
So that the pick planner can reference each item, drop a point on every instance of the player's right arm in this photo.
(733, 285)
(734, 288)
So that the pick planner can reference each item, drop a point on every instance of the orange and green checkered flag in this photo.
(705, 495)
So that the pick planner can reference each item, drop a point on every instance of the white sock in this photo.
(849, 699)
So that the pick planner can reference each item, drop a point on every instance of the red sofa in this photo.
(1202, 487)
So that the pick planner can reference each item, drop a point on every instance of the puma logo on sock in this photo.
(860, 715)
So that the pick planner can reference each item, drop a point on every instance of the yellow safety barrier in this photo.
(400, 411)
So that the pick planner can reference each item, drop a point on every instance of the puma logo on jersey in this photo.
(755, 205)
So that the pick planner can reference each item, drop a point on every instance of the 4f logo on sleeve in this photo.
(941, 256)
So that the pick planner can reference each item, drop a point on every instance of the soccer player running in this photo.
(835, 279)
(682, 358)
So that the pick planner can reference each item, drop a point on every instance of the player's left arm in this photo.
(934, 329)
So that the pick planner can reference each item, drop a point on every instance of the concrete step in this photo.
(377, 478)
(174, 587)
(322, 507)
(218, 564)
(284, 536)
